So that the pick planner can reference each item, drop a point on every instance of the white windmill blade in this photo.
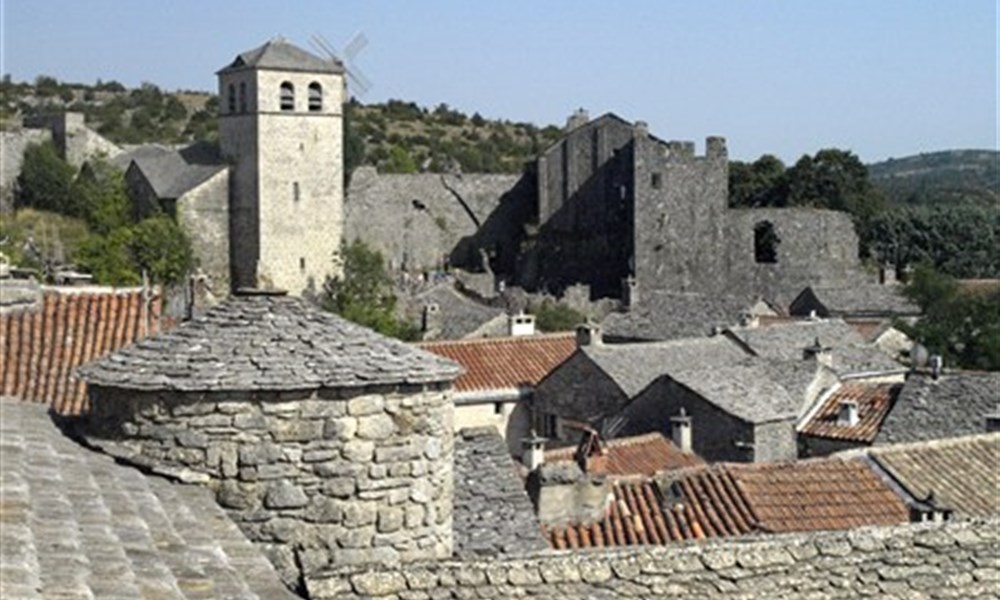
(358, 42)
(354, 47)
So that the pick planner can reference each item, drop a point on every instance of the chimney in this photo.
(431, 319)
(847, 413)
(578, 119)
(993, 421)
(533, 454)
(936, 364)
(641, 129)
(749, 320)
(818, 352)
(680, 430)
(590, 454)
(589, 334)
(887, 274)
(630, 291)
(521, 324)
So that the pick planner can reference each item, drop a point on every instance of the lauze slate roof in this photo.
(874, 401)
(645, 454)
(267, 342)
(504, 363)
(279, 54)
(78, 525)
(40, 349)
(493, 515)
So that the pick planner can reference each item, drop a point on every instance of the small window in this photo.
(287, 96)
(551, 426)
(295, 191)
(232, 99)
(655, 181)
(243, 97)
(498, 408)
(765, 243)
(302, 263)
(315, 97)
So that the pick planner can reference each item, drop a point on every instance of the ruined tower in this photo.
(280, 125)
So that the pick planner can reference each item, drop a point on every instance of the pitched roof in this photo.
(634, 366)
(504, 363)
(954, 405)
(39, 349)
(75, 523)
(645, 454)
(278, 54)
(672, 316)
(267, 342)
(172, 172)
(745, 390)
(963, 473)
(874, 401)
(870, 299)
(492, 512)
(460, 316)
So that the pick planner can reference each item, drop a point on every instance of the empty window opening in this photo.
(287, 96)
(498, 408)
(231, 105)
(295, 191)
(765, 243)
(243, 97)
(551, 426)
(315, 97)
(302, 263)
(655, 180)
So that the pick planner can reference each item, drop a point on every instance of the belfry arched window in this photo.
(231, 104)
(315, 97)
(287, 96)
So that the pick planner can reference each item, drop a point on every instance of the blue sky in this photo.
(883, 78)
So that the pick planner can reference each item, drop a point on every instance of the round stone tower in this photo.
(328, 443)
(281, 127)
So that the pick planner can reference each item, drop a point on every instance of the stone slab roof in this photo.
(40, 348)
(963, 473)
(267, 342)
(280, 55)
(78, 525)
(955, 405)
(172, 172)
(504, 363)
(634, 366)
(460, 316)
(874, 401)
(672, 316)
(870, 299)
(493, 515)
(744, 390)
(645, 454)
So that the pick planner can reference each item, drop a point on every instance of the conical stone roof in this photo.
(266, 342)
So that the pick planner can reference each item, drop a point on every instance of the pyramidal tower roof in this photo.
(267, 342)
(279, 54)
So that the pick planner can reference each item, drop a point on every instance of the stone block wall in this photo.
(320, 479)
(938, 560)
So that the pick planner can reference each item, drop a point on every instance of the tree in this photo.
(364, 293)
(399, 161)
(553, 317)
(46, 180)
(101, 197)
(161, 248)
(756, 184)
(354, 143)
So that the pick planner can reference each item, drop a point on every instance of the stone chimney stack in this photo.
(630, 291)
(887, 274)
(680, 431)
(533, 455)
(819, 353)
(847, 413)
(430, 321)
(937, 365)
(578, 119)
(589, 334)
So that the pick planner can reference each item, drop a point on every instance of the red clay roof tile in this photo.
(645, 454)
(504, 363)
(874, 401)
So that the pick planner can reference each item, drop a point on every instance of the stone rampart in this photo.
(330, 477)
(933, 560)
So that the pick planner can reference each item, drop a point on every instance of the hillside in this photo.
(396, 136)
(941, 178)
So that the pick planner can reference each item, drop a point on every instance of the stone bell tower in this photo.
(281, 128)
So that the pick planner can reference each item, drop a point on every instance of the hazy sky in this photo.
(883, 78)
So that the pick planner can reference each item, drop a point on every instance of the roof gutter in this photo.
(474, 397)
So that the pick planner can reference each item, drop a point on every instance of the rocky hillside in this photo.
(941, 178)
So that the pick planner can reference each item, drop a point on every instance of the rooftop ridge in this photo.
(509, 339)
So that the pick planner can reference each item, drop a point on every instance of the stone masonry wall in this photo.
(937, 560)
(318, 478)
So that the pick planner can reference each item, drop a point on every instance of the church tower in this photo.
(281, 129)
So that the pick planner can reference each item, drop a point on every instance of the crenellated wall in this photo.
(935, 560)
(334, 477)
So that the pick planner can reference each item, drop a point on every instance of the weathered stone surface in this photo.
(375, 427)
(284, 494)
(378, 584)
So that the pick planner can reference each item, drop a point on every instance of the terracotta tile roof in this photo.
(814, 495)
(645, 454)
(874, 401)
(962, 473)
(505, 363)
(40, 349)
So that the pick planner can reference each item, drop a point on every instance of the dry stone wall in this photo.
(936, 560)
(353, 477)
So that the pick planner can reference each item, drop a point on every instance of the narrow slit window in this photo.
(231, 104)
(287, 96)
(315, 97)
(243, 97)
(655, 181)
(302, 263)
(296, 195)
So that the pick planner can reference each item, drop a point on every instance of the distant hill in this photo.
(940, 178)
